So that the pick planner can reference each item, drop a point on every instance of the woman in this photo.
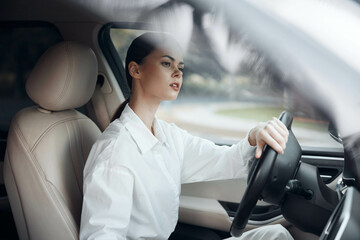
(134, 172)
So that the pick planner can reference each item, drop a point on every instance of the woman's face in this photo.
(161, 74)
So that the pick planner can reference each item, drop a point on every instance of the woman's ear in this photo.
(134, 69)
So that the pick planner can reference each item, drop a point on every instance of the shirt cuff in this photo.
(247, 151)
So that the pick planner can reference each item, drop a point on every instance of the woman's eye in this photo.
(181, 69)
(166, 64)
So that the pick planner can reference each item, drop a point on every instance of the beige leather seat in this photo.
(48, 145)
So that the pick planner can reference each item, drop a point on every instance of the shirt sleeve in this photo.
(205, 161)
(107, 203)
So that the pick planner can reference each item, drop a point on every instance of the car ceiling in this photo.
(75, 11)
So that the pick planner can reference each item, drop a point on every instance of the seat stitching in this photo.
(73, 156)
(43, 179)
(82, 144)
(49, 128)
(22, 139)
(82, 161)
(63, 209)
(42, 175)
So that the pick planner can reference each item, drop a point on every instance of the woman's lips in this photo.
(175, 86)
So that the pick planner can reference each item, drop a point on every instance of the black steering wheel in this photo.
(268, 177)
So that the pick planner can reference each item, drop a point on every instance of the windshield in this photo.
(248, 61)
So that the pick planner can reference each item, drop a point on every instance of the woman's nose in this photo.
(177, 73)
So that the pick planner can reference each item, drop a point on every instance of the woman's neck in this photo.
(145, 110)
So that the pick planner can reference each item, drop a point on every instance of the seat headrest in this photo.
(64, 77)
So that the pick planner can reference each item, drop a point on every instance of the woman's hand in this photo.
(274, 133)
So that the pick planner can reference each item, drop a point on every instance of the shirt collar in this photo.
(159, 133)
(142, 136)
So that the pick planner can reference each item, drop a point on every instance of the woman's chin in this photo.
(171, 97)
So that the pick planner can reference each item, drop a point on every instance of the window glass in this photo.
(227, 91)
(20, 48)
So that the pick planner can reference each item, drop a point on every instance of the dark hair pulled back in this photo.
(138, 50)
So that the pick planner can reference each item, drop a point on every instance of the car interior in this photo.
(62, 78)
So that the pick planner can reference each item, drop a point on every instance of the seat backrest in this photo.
(48, 145)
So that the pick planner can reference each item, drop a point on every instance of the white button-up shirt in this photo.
(132, 179)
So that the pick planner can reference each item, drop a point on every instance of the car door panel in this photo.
(204, 204)
(205, 212)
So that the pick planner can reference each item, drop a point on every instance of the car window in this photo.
(20, 47)
(221, 100)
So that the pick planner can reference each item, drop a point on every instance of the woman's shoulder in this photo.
(115, 140)
(115, 131)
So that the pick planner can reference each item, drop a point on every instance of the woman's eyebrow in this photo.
(172, 59)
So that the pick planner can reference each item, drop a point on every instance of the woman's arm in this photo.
(107, 203)
(205, 161)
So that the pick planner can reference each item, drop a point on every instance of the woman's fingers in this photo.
(280, 123)
(259, 151)
(281, 128)
(266, 138)
(274, 133)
